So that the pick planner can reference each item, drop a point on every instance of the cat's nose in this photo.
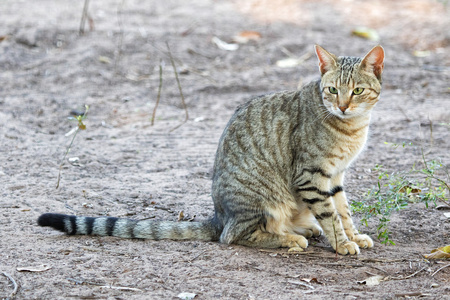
(343, 108)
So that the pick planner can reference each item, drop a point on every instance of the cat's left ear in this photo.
(374, 61)
(327, 61)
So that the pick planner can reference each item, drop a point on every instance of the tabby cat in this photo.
(279, 168)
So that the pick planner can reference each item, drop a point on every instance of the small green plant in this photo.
(74, 131)
(396, 190)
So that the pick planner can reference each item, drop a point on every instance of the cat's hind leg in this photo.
(305, 223)
(261, 239)
(254, 234)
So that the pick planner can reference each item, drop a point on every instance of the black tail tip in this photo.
(53, 220)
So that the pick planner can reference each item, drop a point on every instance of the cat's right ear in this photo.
(327, 61)
(374, 61)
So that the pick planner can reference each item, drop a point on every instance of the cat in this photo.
(279, 168)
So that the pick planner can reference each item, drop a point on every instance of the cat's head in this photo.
(350, 85)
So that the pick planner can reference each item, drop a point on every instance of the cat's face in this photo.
(350, 86)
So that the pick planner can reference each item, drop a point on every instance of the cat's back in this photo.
(258, 137)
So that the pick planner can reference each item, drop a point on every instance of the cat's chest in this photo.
(344, 150)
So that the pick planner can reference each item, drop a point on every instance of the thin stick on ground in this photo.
(119, 50)
(179, 87)
(159, 91)
(409, 276)
(440, 269)
(15, 286)
(84, 17)
(120, 288)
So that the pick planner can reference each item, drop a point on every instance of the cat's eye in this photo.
(333, 90)
(358, 91)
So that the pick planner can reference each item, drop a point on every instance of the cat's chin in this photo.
(348, 115)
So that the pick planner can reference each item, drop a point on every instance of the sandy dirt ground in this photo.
(122, 166)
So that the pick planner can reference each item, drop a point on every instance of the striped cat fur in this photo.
(279, 168)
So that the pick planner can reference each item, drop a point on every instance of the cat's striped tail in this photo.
(127, 228)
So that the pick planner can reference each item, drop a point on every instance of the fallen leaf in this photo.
(296, 249)
(314, 279)
(104, 59)
(72, 131)
(186, 296)
(419, 53)
(367, 33)
(180, 216)
(412, 190)
(443, 207)
(245, 36)
(373, 280)
(288, 62)
(199, 119)
(293, 61)
(40, 268)
(301, 284)
(442, 252)
(224, 45)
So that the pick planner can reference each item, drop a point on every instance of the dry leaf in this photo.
(367, 33)
(186, 296)
(419, 53)
(293, 61)
(413, 190)
(296, 249)
(245, 36)
(224, 45)
(40, 268)
(104, 59)
(309, 280)
(301, 284)
(181, 216)
(373, 280)
(442, 252)
(289, 62)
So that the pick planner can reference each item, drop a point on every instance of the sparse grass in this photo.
(396, 190)
(74, 131)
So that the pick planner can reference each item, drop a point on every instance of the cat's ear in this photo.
(327, 61)
(374, 61)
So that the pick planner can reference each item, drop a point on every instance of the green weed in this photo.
(396, 190)
(74, 131)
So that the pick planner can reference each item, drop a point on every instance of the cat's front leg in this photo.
(340, 200)
(318, 196)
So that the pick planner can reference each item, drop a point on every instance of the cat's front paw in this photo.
(363, 240)
(348, 247)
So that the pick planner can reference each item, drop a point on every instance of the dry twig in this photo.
(83, 17)
(409, 276)
(179, 87)
(15, 286)
(159, 91)
(120, 288)
(440, 269)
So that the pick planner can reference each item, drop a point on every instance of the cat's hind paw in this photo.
(363, 240)
(294, 241)
(312, 230)
(348, 247)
